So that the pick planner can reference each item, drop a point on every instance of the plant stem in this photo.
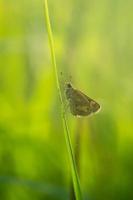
(75, 177)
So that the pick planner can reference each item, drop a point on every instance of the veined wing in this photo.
(81, 98)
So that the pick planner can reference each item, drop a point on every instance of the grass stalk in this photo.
(75, 178)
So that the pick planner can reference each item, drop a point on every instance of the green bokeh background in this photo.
(94, 45)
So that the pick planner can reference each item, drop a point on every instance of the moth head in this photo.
(68, 85)
(69, 90)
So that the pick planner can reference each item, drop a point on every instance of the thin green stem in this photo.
(75, 177)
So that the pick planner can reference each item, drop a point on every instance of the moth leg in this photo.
(66, 106)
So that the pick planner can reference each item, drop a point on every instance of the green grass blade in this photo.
(75, 177)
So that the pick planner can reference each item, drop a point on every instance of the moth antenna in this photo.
(70, 78)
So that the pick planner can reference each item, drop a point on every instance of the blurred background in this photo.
(94, 45)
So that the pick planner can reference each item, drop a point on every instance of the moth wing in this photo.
(85, 96)
(79, 104)
(89, 99)
(81, 98)
(80, 110)
(82, 105)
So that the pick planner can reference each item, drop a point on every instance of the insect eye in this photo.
(69, 85)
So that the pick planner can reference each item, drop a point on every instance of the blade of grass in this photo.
(74, 173)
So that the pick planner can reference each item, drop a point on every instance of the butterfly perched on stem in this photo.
(80, 104)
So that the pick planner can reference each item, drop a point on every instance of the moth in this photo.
(79, 103)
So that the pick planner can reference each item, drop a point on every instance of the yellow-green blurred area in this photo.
(93, 45)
